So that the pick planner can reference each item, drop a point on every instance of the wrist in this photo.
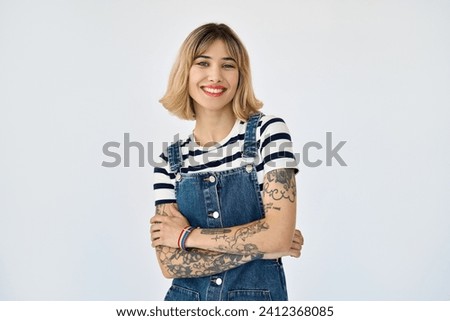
(191, 240)
(182, 238)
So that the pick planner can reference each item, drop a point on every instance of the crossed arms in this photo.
(216, 250)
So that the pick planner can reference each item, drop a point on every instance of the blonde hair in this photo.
(177, 99)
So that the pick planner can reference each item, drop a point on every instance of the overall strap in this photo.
(175, 157)
(250, 144)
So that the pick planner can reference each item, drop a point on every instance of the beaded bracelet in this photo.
(183, 237)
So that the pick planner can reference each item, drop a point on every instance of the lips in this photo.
(213, 91)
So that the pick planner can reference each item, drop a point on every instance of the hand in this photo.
(296, 245)
(294, 251)
(165, 229)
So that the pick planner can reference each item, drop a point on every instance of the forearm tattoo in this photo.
(280, 184)
(232, 240)
(161, 209)
(197, 262)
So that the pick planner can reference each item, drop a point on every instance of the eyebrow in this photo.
(208, 57)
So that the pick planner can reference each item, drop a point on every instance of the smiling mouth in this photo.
(214, 91)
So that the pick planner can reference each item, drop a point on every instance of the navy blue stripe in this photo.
(186, 142)
(260, 167)
(273, 120)
(234, 139)
(278, 155)
(163, 171)
(162, 186)
(198, 152)
(212, 164)
(165, 201)
(275, 137)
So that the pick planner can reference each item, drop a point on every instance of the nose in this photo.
(215, 74)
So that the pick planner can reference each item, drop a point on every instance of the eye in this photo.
(202, 64)
(229, 66)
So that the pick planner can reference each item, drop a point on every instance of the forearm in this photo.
(259, 237)
(176, 263)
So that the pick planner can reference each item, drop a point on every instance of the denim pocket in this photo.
(178, 293)
(249, 295)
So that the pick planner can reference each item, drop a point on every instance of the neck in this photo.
(211, 128)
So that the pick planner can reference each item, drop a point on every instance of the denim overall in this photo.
(223, 199)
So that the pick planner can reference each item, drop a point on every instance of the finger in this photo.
(155, 228)
(155, 235)
(297, 240)
(156, 243)
(301, 236)
(295, 246)
(294, 253)
(156, 238)
(157, 219)
(298, 237)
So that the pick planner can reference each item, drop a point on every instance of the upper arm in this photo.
(279, 190)
(280, 202)
(278, 162)
(163, 182)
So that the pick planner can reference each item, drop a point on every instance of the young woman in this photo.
(226, 194)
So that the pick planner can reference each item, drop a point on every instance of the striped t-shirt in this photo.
(275, 151)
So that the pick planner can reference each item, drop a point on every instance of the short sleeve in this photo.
(164, 182)
(276, 145)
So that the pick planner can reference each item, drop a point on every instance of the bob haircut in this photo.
(177, 99)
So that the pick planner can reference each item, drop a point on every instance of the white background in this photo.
(77, 74)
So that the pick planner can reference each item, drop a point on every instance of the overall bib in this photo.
(224, 199)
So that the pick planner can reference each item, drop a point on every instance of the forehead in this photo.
(216, 49)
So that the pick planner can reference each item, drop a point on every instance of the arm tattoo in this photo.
(234, 242)
(197, 262)
(216, 231)
(241, 234)
(280, 184)
(161, 210)
(269, 206)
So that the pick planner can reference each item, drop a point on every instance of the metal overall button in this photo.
(212, 179)
(217, 281)
(178, 177)
(249, 168)
(214, 214)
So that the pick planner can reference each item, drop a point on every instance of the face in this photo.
(213, 78)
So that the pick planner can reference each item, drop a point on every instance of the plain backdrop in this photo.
(75, 75)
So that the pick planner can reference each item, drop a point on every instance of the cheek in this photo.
(235, 81)
(192, 83)
(192, 78)
(190, 86)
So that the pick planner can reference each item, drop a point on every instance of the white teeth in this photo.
(212, 90)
